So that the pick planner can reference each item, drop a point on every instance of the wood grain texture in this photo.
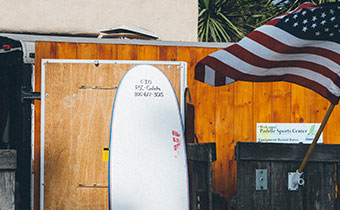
(57, 121)
(224, 115)
(43, 50)
(8, 159)
(333, 125)
(127, 52)
(250, 151)
(167, 53)
(107, 52)
(77, 128)
(205, 106)
(224, 174)
(318, 109)
(148, 53)
(201, 157)
(247, 197)
(263, 104)
(300, 104)
(66, 50)
(87, 51)
(319, 191)
(282, 102)
(337, 185)
(188, 54)
(7, 189)
(244, 118)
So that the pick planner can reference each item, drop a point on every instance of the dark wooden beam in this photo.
(8, 159)
(286, 152)
(201, 152)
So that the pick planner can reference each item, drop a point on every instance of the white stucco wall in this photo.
(173, 20)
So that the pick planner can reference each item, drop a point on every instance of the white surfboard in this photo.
(148, 164)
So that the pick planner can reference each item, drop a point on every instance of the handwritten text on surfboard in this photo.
(146, 88)
(177, 142)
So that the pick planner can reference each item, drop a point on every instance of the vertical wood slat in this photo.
(147, 52)
(55, 164)
(107, 51)
(337, 185)
(8, 162)
(244, 112)
(248, 198)
(333, 125)
(279, 199)
(318, 109)
(189, 55)
(8, 166)
(167, 53)
(263, 94)
(87, 51)
(244, 119)
(7, 188)
(263, 106)
(205, 106)
(43, 50)
(127, 52)
(300, 104)
(224, 167)
(97, 104)
(281, 101)
(66, 50)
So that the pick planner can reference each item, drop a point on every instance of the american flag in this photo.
(302, 47)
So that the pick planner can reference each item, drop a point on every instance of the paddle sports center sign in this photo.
(287, 132)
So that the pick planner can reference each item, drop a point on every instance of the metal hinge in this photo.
(29, 95)
(261, 179)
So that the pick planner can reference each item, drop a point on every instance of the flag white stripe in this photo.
(266, 53)
(209, 76)
(244, 67)
(293, 41)
(229, 80)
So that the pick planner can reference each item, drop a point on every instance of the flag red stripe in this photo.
(255, 60)
(226, 70)
(279, 51)
(280, 47)
(274, 21)
(200, 71)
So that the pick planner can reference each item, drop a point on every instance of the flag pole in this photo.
(316, 138)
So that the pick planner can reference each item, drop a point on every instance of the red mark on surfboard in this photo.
(177, 143)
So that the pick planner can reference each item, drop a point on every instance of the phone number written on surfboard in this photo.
(146, 88)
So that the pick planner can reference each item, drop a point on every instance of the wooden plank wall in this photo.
(8, 166)
(224, 115)
(77, 129)
(320, 175)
